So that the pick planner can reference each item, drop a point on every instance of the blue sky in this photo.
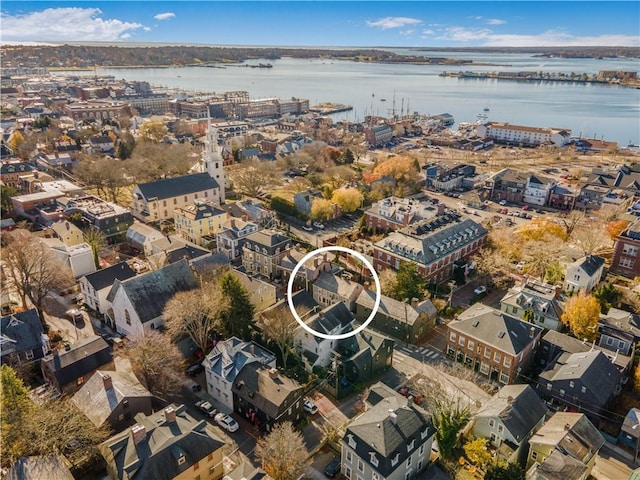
(318, 23)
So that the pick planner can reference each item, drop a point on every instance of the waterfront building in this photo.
(523, 135)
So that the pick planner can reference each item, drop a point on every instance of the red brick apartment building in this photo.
(626, 257)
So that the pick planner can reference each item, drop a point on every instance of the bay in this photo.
(595, 111)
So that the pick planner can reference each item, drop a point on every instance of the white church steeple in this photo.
(212, 158)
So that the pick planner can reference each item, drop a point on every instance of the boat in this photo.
(482, 115)
(383, 99)
(486, 109)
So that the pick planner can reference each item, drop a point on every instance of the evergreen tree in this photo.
(510, 471)
(409, 283)
(238, 319)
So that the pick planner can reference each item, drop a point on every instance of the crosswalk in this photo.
(421, 353)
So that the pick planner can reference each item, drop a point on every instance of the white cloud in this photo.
(495, 21)
(164, 16)
(550, 38)
(393, 22)
(407, 33)
(428, 32)
(65, 24)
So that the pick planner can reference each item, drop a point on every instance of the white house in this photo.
(138, 302)
(519, 134)
(537, 190)
(225, 361)
(96, 286)
(79, 258)
(316, 351)
(141, 237)
(583, 274)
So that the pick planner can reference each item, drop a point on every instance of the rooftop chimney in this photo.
(170, 414)
(567, 426)
(108, 382)
(393, 416)
(138, 433)
(509, 399)
(415, 302)
(273, 372)
(532, 332)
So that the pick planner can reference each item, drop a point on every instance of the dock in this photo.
(327, 108)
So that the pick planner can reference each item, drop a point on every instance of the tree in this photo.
(253, 176)
(196, 313)
(581, 315)
(96, 240)
(636, 379)
(615, 228)
(33, 271)
(153, 131)
(282, 453)
(541, 229)
(153, 161)
(554, 274)
(6, 192)
(449, 420)
(477, 452)
(321, 209)
(105, 174)
(502, 471)
(41, 428)
(348, 199)
(157, 363)
(608, 295)
(410, 284)
(388, 282)
(126, 145)
(399, 168)
(348, 156)
(278, 326)
(237, 319)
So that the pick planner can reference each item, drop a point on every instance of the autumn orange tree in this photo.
(615, 228)
(348, 199)
(581, 315)
(398, 168)
(321, 209)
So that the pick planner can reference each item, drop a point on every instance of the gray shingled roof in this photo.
(228, 357)
(337, 315)
(84, 356)
(590, 264)
(572, 432)
(156, 455)
(97, 403)
(22, 330)
(105, 277)
(519, 408)
(559, 467)
(150, 292)
(395, 309)
(174, 187)
(50, 467)
(495, 328)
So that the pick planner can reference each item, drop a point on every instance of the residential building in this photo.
(264, 397)
(613, 185)
(304, 200)
(262, 294)
(169, 444)
(67, 233)
(141, 237)
(110, 219)
(231, 239)
(536, 302)
(138, 302)
(447, 178)
(246, 471)
(586, 381)
(157, 200)
(538, 190)
(583, 274)
(263, 251)
(391, 440)
(562, 198)
(96, 110)
(433, 246)
(495, 344)
(199, 220)
(79, 258)
(329, 288)
(626, 254)
(226, 360)
(508, 185)
(523, 135)
(378, 135)
(22, 338)
(335, 319)
(393, 213)
(53, 466)
(96, 286)
(409, 321)
(101, 144)
(509, 420)
(619, 331)
(570, 435)
(67, 370)
(113, 398)
(11, 171)
(179, 252)
(630, 431)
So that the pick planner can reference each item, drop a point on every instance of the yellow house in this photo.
(170, 444)
(68, 233)
(198, 220)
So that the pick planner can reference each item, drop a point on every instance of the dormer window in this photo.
(410, 445)
(395, 460)
(373, 459)
(352, 442)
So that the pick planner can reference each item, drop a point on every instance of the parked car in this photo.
(227, 422)
(525, 208)
(318, 225)
(480, 290)
(333, 467)
(309, 407)
(308, 228)
(520, 265)
(207, 408)
(78, 298)
(503, 202)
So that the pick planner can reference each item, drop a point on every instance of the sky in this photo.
(319, 23)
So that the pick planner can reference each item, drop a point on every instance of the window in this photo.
(497, 357)
(127, 317)
(407, 476)
(548, 386)
(471, 344)
(420, 465)
(492, 423)
(507, 361)
(484, 368)
(29, 354)
(360, 465)
(561, 392)
(421, 451)
(408, 461)
(375, 476)
(627, 262)
(347, 472)
(500, 428)
(125, 404)
(487, 352)
(461, 341)
(534, 454)
(504, 378)
(571, 384)
(630, 250)
(583, 389)
(349, 456)
(609, 341)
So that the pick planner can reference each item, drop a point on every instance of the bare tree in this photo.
(33, 271)
(282, 453)
(278, 326)
(105, 174)
(195, 313)
(252, 176)
(156, 362)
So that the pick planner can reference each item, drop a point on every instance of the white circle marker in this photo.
(308, 257)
